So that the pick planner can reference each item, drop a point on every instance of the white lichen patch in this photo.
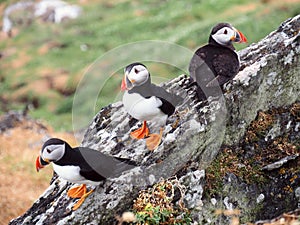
(289, 58)
(170, 138)
(297, 127)
(288, 125)
(213, 201)
(274, 132)
(291, 40)
(271, 77)
(194, 125)
(151, 179)
(280, 91)
(244, 76)
(228, 205)
(193, 196)
(41, 219)
(260, 198)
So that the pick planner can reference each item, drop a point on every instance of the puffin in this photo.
(145, 101)
(80, 165)
(217, 62)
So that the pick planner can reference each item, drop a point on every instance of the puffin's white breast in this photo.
(142, 108)
(71, 173)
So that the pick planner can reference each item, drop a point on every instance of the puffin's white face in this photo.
(225, 35)
(137, 76)
(53, 152)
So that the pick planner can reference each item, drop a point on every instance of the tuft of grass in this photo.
(155, 205)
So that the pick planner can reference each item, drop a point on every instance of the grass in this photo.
(73, 46)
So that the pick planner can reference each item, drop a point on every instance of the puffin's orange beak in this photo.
(239, 37)
(123, 85)
(38, 164)
(243, 39)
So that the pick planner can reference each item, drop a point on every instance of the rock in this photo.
(280, 163)
(196, 137)
(55, 11)
(194, 180)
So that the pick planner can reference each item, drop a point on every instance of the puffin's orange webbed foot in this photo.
(153, 141)
(141, 132)
(77, 192)
(81, 200)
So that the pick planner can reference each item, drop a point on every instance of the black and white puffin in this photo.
(80, 165)
(217, 62)
(145, 101)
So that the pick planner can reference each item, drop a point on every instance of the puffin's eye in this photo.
(225, 31)
(136, 70)
(48, 150)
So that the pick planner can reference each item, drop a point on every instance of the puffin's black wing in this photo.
(201, 70)
(148, 90)
(201, 67)
(96, 164)
(166, 107)
(165, 96)
(196, 63)
(127, 161)
(90, 174)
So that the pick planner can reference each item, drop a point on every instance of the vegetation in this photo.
(43, 62)
(257, 149)
(155, 205)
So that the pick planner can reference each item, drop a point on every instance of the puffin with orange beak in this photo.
(217, 62)
(80, 165)
(145, 101)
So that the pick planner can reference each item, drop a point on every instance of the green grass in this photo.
(105, 26)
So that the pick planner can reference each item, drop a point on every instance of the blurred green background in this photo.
(42, 63)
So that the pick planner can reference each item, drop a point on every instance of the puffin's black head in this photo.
(52, 150)
(135, 74)
(224, 34)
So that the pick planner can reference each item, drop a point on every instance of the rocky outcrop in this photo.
(49, 11)
(240, 151)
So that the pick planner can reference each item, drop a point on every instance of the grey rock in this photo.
(194, 181)
(280, 162)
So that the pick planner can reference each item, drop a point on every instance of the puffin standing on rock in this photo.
(80, 165)
(145, 101)
(217, 62)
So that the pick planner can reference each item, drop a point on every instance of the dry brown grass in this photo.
(20, 184)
